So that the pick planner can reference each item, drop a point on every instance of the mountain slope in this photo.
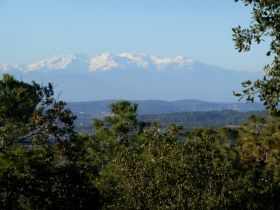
(103, 62)
(201, 119)
(80, 77)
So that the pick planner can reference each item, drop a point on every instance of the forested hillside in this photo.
(189, 120)
(189, 113)
(128, 163)
(210, 119)
(182, 160)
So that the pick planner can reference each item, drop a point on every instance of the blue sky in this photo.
(35, 29)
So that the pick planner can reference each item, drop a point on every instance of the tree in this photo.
(121, 125)
(257, 162)
(29, 112)
(153, 168)
(265, 25)
(52, 171)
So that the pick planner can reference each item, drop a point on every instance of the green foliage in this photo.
(17, 100)
(43, 162)
(122, 125)
(202, 169)
(265, 25)
(44, 178)
(257, 161)
(127, 164)
(30, 112)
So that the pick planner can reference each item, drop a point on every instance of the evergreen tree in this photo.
(265, 25)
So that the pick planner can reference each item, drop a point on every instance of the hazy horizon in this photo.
(33, 30)
(188, 47)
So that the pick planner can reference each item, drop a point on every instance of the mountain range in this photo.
(80, 77)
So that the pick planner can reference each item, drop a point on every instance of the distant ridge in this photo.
(100, 108)
(102, 62)
(81, 77)
(191, 113)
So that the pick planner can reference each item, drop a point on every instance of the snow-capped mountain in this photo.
(83, 77)
(53, 63)
(103, 62)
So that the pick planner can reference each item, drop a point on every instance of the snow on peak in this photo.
(55, 62)
(103, 62)
(179, 62)
(107, 62)
(140, 60)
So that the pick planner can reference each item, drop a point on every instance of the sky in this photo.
(35, 29)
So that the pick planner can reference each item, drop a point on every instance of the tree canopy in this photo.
(125, 163)
(29, 112)
(41, 157)
(128, 164)
(265, 26)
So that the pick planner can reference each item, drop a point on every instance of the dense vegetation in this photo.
(126, 163)
(264, 26)
(129, 164)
